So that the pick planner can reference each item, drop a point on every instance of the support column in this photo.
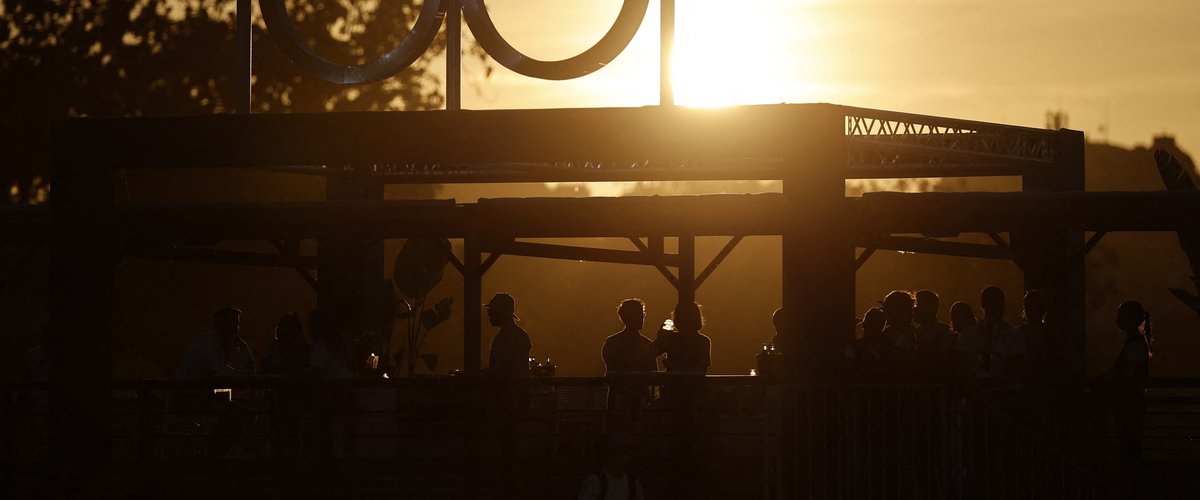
(687, 269)
(350, 265)
(818, 252)
(1047, 255)
(79, 346)
(472, 307)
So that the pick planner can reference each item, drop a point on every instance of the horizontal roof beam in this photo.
(461, 137)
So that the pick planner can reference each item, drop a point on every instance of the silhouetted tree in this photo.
(1177, 177)
(81, 57)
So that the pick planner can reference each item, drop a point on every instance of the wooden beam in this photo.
(863, 257)
(272, 139)
(661, 268)
(211, 256)
(292, 247)
(687, 269)
(938, 247)
(487, 264)
(720, 257)
(564, 252)
(709, 215)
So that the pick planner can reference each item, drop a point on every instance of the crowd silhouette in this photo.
(1021, 368)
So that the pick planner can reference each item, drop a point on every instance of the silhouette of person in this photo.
(628, 352)
(768, 359)
(1129, 373)
(993, 349)
(331, 356)
(867, 352)
(509, 357)
(777, 322)
(688, 358)
(1035, 333)
(288, 354)
(900, 336)
(935, 340)
(962, 318)
(616, 481)
(289, 351)
(508, 361)
(688, 351)
(218, 354)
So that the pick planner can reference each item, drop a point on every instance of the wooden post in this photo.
(666, 46)
(818, 252)
(472, 307)
(79, 347)
(453, 55)
(687, 269)
(349, 266)
(1048, 257)
(243, 57)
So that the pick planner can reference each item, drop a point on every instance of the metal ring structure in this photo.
(283, 31)
(603, 52)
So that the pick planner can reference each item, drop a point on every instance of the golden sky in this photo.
(1134, 65)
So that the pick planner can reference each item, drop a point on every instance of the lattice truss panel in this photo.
(875, 141)
(880, 138)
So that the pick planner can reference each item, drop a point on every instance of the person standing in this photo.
(993, 350)
(900, 337)
(508, 362)
(289, 351)
(935, 340)
(628, 352)
(509, 356)
(220, 353)
(688, 351)
(1129, 374)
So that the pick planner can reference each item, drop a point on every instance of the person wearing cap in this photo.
(509, 357)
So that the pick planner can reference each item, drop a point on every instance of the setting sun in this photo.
(728, 54)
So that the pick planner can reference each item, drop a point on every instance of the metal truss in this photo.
(879, 144)
(882, 139)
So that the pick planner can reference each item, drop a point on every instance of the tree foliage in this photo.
(171, 57)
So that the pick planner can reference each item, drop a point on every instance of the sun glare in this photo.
(729, 53)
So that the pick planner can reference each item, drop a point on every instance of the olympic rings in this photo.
(283, 31)
(603, 52)
(429, 21)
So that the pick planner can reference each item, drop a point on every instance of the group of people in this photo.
(904, 340)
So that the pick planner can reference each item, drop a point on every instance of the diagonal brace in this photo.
(712, 266)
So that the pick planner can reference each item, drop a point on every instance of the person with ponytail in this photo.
(1129, 374)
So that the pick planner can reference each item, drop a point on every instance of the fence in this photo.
(457, 438)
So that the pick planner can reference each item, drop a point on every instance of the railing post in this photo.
(453, 55)
(818, 248)
(666, 45)
(687, 269)
(243, 56)
(83, 241)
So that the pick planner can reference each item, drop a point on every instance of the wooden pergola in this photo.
(812, 148)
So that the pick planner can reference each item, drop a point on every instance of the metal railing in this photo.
(455, 438)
